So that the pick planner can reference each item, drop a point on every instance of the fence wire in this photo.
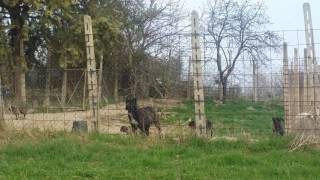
(255, 91)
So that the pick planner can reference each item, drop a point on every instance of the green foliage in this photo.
(26, 18)
(58, 25)
(124, 32)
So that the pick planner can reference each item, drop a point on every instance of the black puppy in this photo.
(278, 126)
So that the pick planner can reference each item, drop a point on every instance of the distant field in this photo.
(70, 156)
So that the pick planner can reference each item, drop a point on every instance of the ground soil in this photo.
(112, 117)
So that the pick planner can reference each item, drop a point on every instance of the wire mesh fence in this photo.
(57, 97)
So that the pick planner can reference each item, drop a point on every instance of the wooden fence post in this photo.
(91, 70)
(296, 84)
(200, 118)
(286, 96)
(309, 31)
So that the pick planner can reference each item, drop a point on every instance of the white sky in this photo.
(284, 14)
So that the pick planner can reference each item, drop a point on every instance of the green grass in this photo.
(95, 156)
(66, 156)
(235, 117)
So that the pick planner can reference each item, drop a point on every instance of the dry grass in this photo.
(303, 140)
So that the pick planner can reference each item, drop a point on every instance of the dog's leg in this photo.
(147, 130)
(23, 112)
(144, 127)
(133, 123)
(158, 126)
(274, 126)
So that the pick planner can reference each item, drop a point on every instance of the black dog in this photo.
(209, 125)
(278, 126)
(141, 118)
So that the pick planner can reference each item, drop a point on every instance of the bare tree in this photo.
(238, 29)
(150, 32)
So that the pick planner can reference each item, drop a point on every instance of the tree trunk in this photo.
(221, 78)
(134, 82)
(20, 85)
(2, 121)
(224, 91)
(116, 87)
(64, 87)
(48, 79)
(148, 79)
(131, 75)
(220, 91)
(254, 90)
(146, 86)
(17, 41)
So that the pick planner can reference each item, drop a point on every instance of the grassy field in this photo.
(235, 117)
(72, 156)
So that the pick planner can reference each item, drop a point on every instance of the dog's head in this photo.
(277, 119)
(131, 103)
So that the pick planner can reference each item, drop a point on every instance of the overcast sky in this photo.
(285, 14)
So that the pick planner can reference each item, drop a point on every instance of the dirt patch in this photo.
(112, 117)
